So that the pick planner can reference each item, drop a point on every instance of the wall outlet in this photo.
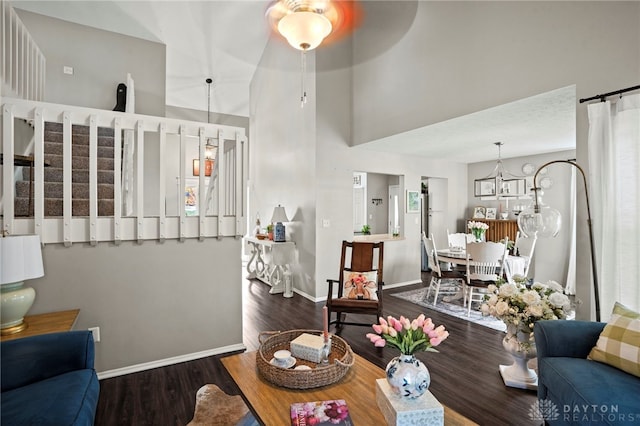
(96, 333)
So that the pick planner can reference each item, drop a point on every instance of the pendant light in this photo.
(500, 183)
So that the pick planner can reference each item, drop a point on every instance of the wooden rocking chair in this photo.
(360, 283)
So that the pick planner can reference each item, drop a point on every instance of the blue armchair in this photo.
(574, 390)
(49, 380)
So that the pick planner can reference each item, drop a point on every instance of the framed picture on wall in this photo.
(491, 213)
(413, 201)
(479, 212)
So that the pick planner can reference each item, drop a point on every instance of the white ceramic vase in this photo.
(522, 348)
(408, 376)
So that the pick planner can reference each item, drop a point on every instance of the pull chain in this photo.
(303, 67)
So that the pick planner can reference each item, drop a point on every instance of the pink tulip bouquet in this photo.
(408, 336)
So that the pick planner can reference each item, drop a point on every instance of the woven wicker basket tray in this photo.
(340, 360)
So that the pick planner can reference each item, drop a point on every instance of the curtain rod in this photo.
(605, 95)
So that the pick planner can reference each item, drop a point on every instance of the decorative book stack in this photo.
(308, 346)
(321, 413)
(397, 411)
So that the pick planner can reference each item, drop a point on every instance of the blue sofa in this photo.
(574, 390)
(49, 380)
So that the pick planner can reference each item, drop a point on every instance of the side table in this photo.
(271, 263)
(51, 322)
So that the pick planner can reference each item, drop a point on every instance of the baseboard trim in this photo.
(308, 296)
(402, 284)
(169, 361)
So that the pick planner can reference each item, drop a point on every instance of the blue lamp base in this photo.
(279, 235)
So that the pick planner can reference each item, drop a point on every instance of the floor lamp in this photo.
(544, 221)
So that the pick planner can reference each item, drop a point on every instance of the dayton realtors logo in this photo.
(583, 413)
(543, 409)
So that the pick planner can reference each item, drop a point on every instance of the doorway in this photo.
(434, 209)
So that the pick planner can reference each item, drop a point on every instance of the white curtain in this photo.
(614, 164)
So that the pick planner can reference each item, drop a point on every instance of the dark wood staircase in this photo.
(53, 174)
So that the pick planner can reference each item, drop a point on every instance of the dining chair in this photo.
(459, 239)
(442, 282)
(524, 247)
(485, 262)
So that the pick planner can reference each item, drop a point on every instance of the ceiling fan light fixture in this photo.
(304, 30)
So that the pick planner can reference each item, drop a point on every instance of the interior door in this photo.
(394, 209)
(437, 210)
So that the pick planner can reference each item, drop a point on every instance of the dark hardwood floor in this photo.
(464, 375)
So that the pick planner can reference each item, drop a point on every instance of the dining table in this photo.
(515, 265)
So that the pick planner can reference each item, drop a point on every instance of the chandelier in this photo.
(500, 183)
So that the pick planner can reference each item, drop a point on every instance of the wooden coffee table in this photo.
(270, 403)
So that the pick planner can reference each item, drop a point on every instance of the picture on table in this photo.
(479, 212)
(491, 213)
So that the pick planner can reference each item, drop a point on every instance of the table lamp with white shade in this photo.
(20, 260)
(279, 216)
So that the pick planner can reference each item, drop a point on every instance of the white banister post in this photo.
(220, 159)
(38, 159)
(202, 194)
(240, 167)
(140, 181)
(67, 206)
(162, 214)
(181, 212)
(93, 179)
(117, 180)
(8, 177)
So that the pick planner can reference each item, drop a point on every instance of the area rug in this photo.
(453, 308)
(214, 407)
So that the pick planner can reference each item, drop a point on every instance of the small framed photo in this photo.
(413, 201)
(479, 212)
(491, 213)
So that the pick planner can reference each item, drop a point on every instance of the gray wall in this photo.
(101, 60)
(151, 301)
(282, 153)
(214, 117)
(302, 156)
(378, 187)
(460, 57)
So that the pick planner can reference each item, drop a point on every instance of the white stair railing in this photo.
(23, 65)
(153, 138)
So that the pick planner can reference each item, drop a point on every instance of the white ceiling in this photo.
(535, 125)
(224, 40)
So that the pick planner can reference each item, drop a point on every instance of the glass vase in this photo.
(479, 234)
(408, 376)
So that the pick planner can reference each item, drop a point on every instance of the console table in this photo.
(498, 229)
(271, 263)
(51, 322)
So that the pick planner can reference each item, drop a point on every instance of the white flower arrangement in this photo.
(477, 225)
(520, 306)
